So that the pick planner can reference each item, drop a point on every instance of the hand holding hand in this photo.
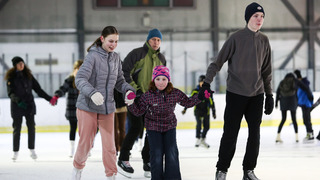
(97, 98)
(268, 107)
(205, 91)
(129, 98)
(54, 100)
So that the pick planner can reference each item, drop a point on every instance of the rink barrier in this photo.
(214, 124)
(52, 118)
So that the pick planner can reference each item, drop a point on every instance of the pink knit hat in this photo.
(160, 71)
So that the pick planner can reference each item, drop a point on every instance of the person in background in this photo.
(120, 118)
(137, 69)
(20, 83)
(69, 87)
(305, 101)
(248, 54)
(98, 76)
(287, 95)
(158, 105)
(202, 114)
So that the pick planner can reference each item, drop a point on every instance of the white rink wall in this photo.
(48, 115)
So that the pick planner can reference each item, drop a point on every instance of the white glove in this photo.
(129, 99)
(97, 98)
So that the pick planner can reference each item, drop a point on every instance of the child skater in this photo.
(158, 104)
(100, 73)
(202, 115)
(69, 87)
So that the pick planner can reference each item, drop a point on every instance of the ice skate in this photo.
(203, 143)
(15, 155)
(33, 154)
(309, 138)
(249, 175)
(198, 142)
(113, 177)
(221, 175)
(125, 168)
(297, 137)
(147, 171)
(278, 139)
(76, 174)
(72, 149)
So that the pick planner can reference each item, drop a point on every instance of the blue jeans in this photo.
(164, 144)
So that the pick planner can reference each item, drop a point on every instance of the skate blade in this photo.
(124, 173)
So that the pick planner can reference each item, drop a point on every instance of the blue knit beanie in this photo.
(154, 33)
(251, 9)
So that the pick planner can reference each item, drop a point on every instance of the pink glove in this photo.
(131, 95)
(206, 94)
(54, 100)
(129, 98)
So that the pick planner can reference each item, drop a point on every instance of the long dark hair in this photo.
(105, 32)
(168, 89)
(11, 72)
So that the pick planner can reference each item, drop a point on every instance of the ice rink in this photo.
(286, 161)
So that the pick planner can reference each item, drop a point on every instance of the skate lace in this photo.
(126, 164)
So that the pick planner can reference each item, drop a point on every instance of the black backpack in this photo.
(287, 87)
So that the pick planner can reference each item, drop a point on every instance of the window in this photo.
(143, 3)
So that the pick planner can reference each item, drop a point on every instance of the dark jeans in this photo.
(206, 125)
(284, 118)
(136, 124)
(238, 106)
(307, 118)
(73, 129)
(164, 144)
(17, 122)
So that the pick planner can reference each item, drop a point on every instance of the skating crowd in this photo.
(104, 93)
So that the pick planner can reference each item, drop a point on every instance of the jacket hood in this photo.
(100, 50)
(305, 81)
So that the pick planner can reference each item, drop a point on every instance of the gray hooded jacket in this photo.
(100, 72)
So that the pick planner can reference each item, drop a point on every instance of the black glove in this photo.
(269, 102)
(214, 114)
(202, 95)
(22, 105)
(138, 95)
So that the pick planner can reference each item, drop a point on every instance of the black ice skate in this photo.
(249, 175)
(125, 168)
(221, 175)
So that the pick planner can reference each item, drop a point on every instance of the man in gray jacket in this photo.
(248, 54)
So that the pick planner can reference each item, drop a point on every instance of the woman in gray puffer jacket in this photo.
(100, 73)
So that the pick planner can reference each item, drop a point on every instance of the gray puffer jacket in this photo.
(100, 72)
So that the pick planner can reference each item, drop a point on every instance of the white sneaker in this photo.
(113, 177)
(15, 155)
(33, 154)
(76, 174)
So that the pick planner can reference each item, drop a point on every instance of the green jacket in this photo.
(138, 66)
